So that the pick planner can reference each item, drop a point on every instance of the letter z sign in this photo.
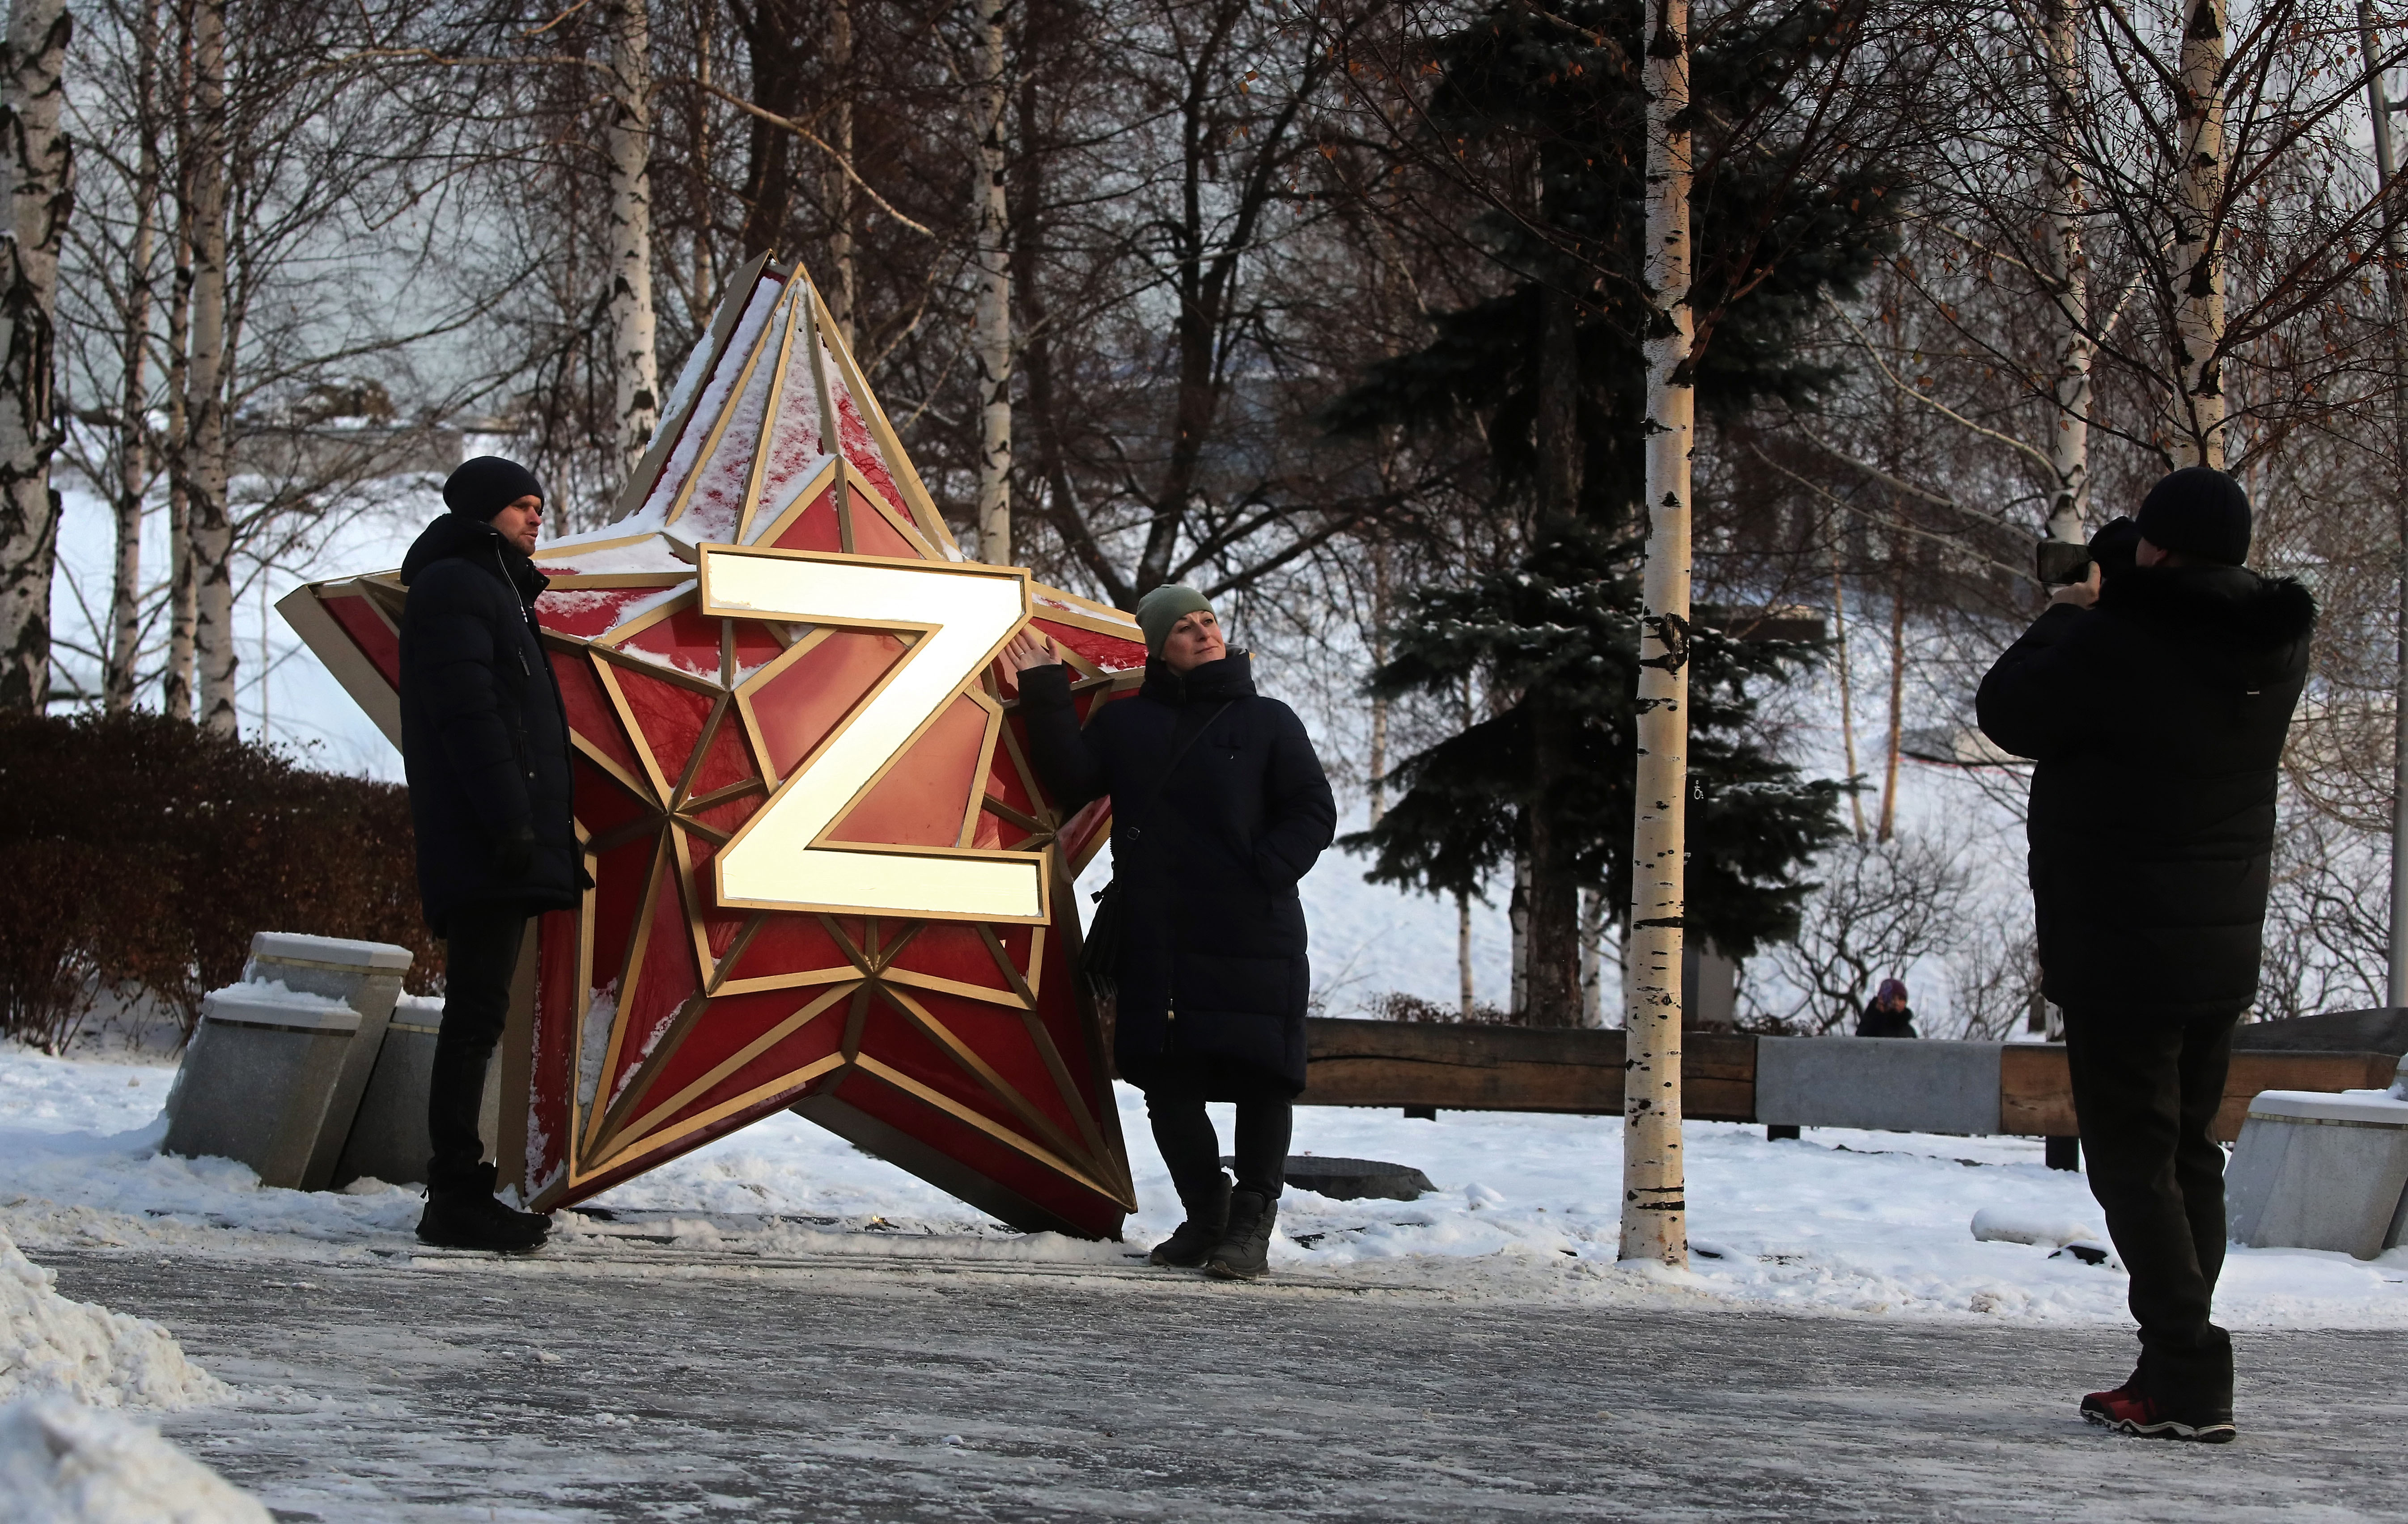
(963, 614)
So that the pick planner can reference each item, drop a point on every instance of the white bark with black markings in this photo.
(211, 528)
(2195, 424)
(992, 322)
(2068, 274)
(41, 169)
(634, 329)
(1653, 1210)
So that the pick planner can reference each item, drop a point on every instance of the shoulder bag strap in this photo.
(1172, 765)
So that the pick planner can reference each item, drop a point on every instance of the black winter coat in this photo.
(2158, 719)
(1877, 1022)
(484, 738)
(1213, 974)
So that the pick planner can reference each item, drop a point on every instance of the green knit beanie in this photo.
(1164, 608)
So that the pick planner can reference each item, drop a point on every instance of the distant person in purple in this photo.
(1887, 1014)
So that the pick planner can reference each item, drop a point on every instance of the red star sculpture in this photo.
(827, 878)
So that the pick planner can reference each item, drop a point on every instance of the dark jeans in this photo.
(2146, 1093)
(478, 959)
(1184, 1131)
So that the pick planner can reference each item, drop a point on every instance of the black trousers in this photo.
(2146, 1094)
(1184, 1131)
(478, 959)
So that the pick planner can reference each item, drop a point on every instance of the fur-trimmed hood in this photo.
(2225, 614)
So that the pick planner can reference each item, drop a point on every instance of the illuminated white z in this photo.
(781, 859)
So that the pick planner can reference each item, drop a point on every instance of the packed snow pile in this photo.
(50, 1346)
(1995, 1225)
(63, 1463)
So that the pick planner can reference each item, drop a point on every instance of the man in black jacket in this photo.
(484, 741)
(1219, 807)
(2157, 711)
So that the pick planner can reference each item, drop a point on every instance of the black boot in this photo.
(1245, 1249)
(464, 1215)
(1208, 1218)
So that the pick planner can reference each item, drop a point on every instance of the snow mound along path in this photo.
(1995, 1225)
(62, 1464)
(50, 1346)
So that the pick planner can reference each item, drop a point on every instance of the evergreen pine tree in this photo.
(1551, 371)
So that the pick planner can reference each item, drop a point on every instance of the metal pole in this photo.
(2386, 167)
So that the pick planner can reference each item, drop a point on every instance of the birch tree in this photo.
(634, 328)
(136, 458)
(841, 292)
(993, 320)
(2195, 415)
(40, 164)
(205, 462)
(1653, 1215)
(2068, 275)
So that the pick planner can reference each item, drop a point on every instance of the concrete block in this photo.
(365, 975)
(2319, 1171)
(388, 1139)
(258, 1078)
(275, 1071)
(1888, 1084)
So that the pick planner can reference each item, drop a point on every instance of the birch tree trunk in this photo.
(2068, 276)
(1654, 1219)
(1379, 766)
(2195, 424)
(1517, 920)
(1463, 901)
(183, 589)
(211, 535)
(134, 424)
(1463, 950)
(1895, 739)
(993, 342)
(634, 336)
(1847, 679)
(1592, 958)
(840, 287)
(41, 167)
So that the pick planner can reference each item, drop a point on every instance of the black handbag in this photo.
(1099, 955)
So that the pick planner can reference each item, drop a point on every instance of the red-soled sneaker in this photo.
(2130, 1412)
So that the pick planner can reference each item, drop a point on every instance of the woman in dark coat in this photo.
(1219, 807)
(1887, 1014)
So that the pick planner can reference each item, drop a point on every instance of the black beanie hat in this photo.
(483, 486)
(2199, 512)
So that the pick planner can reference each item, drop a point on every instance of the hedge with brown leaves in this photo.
(141, 851)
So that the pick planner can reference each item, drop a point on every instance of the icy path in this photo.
(1852, 1223)
(472, 1389)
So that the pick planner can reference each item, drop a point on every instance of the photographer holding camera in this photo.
(2157, 710)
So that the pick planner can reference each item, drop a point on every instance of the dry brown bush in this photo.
(141, 851)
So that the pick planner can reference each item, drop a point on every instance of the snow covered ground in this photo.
(68, 1453)
(1842, 1223)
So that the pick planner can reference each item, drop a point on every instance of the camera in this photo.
(2062, 562)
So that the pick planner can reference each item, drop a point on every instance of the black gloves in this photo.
(514, 854)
